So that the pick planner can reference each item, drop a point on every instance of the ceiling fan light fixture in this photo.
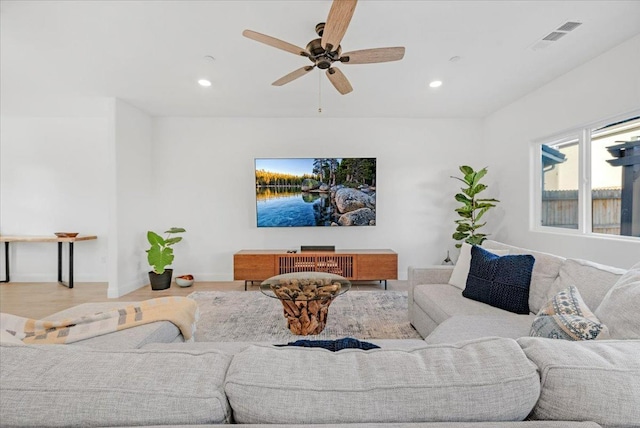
(204, 82)
(435, 84)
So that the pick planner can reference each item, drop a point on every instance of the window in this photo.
(590, 180)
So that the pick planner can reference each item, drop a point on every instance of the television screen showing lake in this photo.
(316, 192)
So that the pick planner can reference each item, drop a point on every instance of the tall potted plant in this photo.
(473, 208)
(160, 255)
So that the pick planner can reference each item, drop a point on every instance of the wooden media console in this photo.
(354, 265)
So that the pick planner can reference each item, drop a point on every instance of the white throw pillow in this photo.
(461, 269)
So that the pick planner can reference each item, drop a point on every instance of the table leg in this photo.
(71, 265)
(6, 262)
(59, 261)
(70, 284)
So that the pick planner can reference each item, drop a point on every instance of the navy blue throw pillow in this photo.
(500, 281)
(333, 345)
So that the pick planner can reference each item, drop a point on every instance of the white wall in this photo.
(53, 178)
(604, 87)
(131, 201)
(206, 180)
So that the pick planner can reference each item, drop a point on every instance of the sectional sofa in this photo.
(477, 367)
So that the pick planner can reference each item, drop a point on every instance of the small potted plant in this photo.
(160, 255)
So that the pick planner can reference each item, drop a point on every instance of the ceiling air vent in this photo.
(556, 35)
(552, 37)
(569, 26)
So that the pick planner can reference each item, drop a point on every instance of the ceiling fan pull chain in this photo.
(319, 93)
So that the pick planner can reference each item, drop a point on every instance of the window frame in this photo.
(583, 135)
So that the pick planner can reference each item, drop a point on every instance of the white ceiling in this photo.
(150, 53)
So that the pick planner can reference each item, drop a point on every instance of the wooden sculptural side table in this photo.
(305, 297)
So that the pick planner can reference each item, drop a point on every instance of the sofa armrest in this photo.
(429, 275)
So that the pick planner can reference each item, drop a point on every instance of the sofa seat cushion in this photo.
(587, 381)
(545, 271)
(442, 301)
(60, 385)
(130, 338)
(313, 386)
(468, 327)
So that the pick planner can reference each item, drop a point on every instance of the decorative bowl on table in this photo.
(184, 280)
(66, 234)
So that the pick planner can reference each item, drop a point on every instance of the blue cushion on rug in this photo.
(500, 281)
(333, 345)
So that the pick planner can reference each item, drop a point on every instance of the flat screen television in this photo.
(315, 192)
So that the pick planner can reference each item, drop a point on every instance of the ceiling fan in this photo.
(326, 50)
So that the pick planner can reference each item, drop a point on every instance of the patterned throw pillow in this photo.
(500, 281)
(567, 317)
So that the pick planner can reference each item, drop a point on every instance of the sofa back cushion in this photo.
(61, 385)
(592, 280)
(483, 380)
(587, 381)
(620, 308)
(545, 271)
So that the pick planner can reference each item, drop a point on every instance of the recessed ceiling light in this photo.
(204, 82)
(435, 84)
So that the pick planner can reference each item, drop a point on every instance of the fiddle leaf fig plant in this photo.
(160, 254)
(473, 208)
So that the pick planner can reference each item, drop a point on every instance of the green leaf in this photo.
(173, 240)
(175, 230)
(464, 213)
(477, 226)
(481, 212)
(463, 227)
(154, 238)
(159, 258)
(469, 179)
(479, 188)
(466, 170)
(479, 176)
(462, 198)
(480, 204)
(475, 239)
(459, 236)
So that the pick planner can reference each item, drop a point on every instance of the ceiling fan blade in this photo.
(339, 80)
(293, 75)
(337, 22)
(276, 43)
(369, 56)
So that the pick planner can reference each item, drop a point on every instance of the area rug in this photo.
(250, 316)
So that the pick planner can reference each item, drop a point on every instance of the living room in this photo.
(88, 145)
(102, 166)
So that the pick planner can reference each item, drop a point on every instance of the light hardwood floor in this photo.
(38, 300)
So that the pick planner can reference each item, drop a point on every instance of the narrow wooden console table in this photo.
(70, 241)
(355, 265)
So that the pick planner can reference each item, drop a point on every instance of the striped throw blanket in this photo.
(181, 311)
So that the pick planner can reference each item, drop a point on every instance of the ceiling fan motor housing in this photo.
(321, 58)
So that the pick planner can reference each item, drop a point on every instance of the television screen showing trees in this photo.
(295, 192)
